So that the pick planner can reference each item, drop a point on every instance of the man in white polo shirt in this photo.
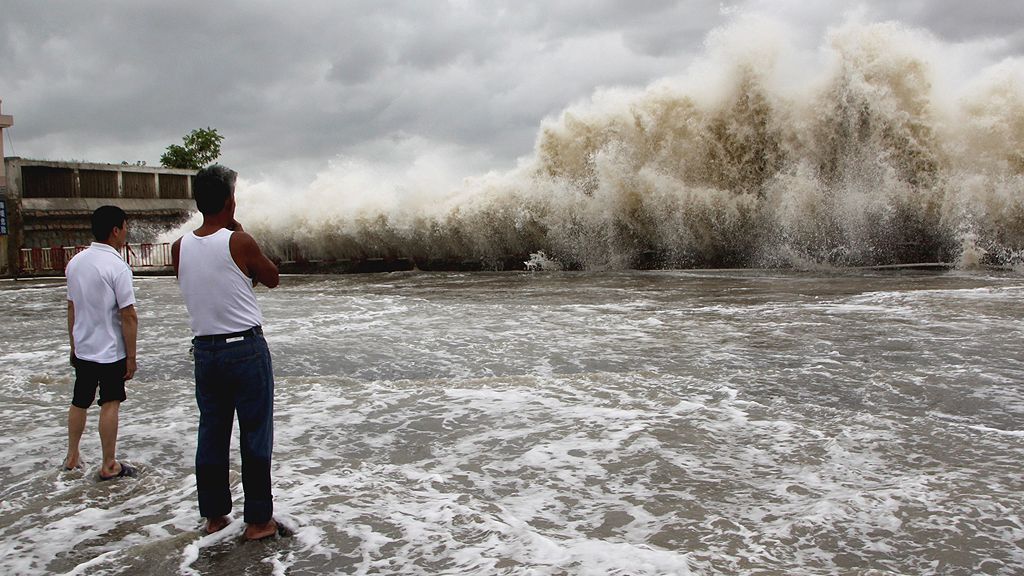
(102, 324)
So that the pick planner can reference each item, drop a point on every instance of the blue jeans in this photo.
(234, 377)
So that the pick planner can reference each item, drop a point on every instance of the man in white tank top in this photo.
(217, 266)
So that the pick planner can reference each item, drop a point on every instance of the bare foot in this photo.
(216, 524)
(108, 472)
(261, 531)
(123, 470)
(72, 462)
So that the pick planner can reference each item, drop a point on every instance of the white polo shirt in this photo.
(100, 285)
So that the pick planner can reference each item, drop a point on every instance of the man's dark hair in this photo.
(212, 187)
(104, 220)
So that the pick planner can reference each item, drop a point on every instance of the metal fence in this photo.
(138, 256)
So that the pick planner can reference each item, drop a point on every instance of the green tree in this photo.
(202, 147)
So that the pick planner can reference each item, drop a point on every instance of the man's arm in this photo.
(175, 254)
(130, 331)
(251, 260)
(71, 329)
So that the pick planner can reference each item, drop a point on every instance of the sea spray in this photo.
(867, 160)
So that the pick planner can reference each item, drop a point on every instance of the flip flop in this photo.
(126, 472)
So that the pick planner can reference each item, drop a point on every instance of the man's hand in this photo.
(130, 330)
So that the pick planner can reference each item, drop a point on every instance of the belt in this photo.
(213, 338)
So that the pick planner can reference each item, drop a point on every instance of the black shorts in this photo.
(108, 377)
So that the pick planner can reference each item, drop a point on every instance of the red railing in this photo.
(138, 256)
(147, 255)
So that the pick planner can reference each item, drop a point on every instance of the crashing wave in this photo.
(864, 162)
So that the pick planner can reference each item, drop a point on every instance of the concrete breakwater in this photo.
(155, 260)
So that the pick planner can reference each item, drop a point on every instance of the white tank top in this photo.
(219, 297)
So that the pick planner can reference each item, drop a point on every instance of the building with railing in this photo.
(48, 205)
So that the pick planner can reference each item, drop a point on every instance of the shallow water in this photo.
(555, 423)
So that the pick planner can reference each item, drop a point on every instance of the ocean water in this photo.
(640, 423)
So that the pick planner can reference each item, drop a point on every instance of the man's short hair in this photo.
(212, 188)
(104, 220)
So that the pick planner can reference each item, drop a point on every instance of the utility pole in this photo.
(5, 122)
(6, 248)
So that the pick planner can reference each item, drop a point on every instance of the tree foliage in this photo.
(202, 147)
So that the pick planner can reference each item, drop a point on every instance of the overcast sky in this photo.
(295, 85)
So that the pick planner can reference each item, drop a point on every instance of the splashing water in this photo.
(878, 153)
(540, 261)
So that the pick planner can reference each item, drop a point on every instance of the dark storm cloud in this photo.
(959, 21)
(968, 21)
(302, 82)
(309, 79)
